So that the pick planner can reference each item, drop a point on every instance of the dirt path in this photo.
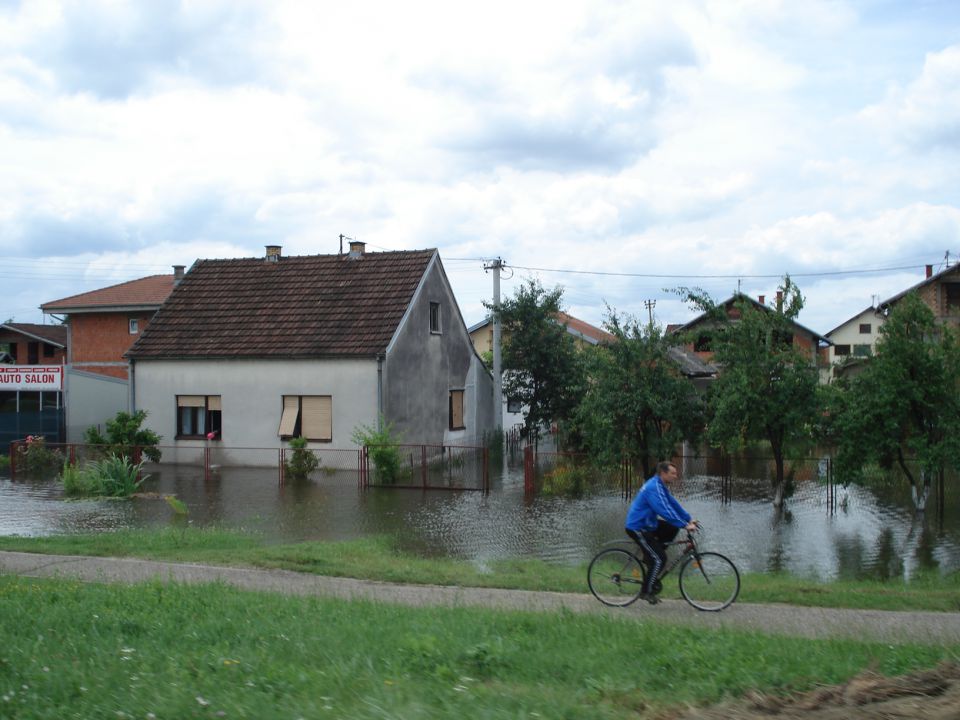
(930, 695)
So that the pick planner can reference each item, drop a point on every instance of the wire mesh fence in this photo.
(433, 467)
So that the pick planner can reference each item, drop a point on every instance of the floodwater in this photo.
(870, 533)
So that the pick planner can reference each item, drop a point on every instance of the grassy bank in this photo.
(377, 558)
(175, 651)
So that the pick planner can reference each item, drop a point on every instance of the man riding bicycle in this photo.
(654, 519)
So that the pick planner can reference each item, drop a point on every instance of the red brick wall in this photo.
(103, 338)
(21, 355)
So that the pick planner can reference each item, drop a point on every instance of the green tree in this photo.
(767, 387)
(635, 402)
(540, 364)
(124, 433)
(903, 409)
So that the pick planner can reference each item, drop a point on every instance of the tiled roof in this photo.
(306, 306)
(576, 327)
(146, 292)
(53, 334)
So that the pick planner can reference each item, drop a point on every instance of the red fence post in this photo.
(528, 470)
(280, 452)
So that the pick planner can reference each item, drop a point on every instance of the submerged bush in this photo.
(110, 477)
(383, 447)
(35, 458)
(569, 480)
(302, 461)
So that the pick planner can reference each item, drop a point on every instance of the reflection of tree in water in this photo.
(781, 519)
(850, 556)
(889, 562)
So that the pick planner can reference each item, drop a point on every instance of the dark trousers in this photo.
(653, 545)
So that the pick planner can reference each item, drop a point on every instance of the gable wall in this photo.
(421, 369)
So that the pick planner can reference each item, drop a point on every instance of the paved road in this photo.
(883, 626)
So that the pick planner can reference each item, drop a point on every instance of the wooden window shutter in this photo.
(191, 400)
(317, 417)
(288, 421)
(456, 409)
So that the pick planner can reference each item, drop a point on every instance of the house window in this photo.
(134, 326)
(33, 353)
(199, 416)
(866, 328)
(513, 405)
(953, 296)
(456, 410)
(435, 317)
(841, 350)
(308, 416)
(861, 351)
(48, 350)
(703, 343)
(13, 352)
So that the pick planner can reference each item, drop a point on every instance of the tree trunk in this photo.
(920, 491)
(778, 488)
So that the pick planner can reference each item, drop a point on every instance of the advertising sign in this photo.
(31, 377)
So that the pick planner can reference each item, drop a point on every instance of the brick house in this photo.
(33, 344)
(259, 350)
(101, 326)
(804, 339)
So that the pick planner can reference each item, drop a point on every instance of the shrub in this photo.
(383, 447)
(567, 480)
(110, 477)
(302, 461)
(4, 462)
(35, 458)
(124, 434)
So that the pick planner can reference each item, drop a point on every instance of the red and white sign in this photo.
(31, 377)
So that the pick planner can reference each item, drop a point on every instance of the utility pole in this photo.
(496, 266)
(650, 305)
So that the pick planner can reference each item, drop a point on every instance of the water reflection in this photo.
(872, 533)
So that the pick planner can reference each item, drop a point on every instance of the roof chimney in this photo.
(273, 253)
(929, 271)
(177, 274)
(356, 249)
(761, 299)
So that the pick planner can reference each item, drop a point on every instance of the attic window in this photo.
(953, 295)
(866, 328)
(134, 326)
(435, 326)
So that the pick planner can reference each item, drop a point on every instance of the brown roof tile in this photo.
(306, 306)
(148, 292)
(54, 334)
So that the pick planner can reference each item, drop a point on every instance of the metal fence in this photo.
(426, 467)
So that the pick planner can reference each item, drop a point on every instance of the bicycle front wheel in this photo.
(709, 581)
(616, 577)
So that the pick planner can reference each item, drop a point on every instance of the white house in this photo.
(249, 353)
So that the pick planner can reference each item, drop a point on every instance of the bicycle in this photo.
(709, 581)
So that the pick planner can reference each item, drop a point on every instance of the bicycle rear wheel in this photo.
(616, 577)
(709, 581)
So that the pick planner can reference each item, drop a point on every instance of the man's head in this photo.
(667, 471)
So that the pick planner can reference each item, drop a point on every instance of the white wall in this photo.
(251, 393)
(92, 400)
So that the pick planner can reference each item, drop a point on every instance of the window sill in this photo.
(197, 437)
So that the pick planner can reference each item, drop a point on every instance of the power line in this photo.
(673, 276)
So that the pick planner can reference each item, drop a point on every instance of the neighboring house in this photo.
(31, 381)
(584, 334)
(253, 352)
(853, 341)
(940, 291)
(101, 326)
(804, 339)
(33, 344)
(856, 338)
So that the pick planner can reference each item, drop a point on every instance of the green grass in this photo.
(168, 650)
(377, 558)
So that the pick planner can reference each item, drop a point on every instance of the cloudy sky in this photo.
(614, 148)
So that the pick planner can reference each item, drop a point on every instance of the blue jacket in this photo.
(655, 500)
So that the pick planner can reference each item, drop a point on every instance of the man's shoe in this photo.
(651, 598)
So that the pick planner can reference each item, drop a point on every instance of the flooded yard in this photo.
(870, 533)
